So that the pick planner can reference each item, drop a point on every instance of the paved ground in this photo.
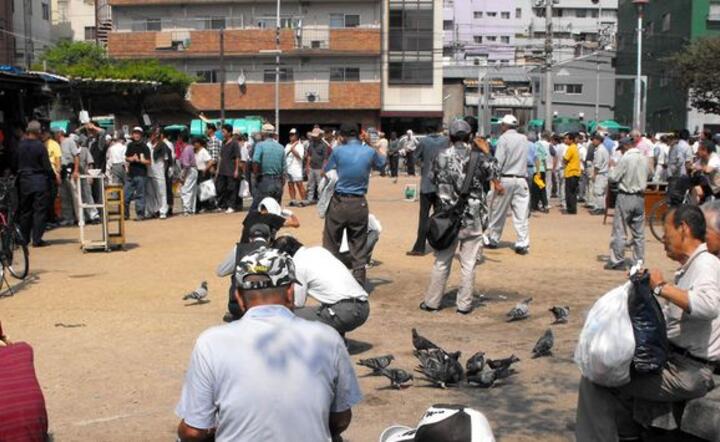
(118, 375)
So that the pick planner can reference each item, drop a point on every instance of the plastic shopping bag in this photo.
(207, 190)
(244, 189)
(651, 342)
(607, 343)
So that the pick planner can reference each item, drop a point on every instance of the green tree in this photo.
(87, 60)
(696, 68)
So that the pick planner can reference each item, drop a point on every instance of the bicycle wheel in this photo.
(656, 219)
(17, 254)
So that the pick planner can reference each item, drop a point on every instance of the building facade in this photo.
(81, 20)
(513, 31)
(7, 39)
(667, 28)
(31, 30)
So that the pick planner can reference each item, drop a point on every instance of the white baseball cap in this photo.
(293, 131)
(268, 128)
(448, 423)
(510, 120)
(138, 129)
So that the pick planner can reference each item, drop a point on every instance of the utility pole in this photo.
(97, 22)
(222, 75)
(27, 30)
(637, 118)
(549, 89)
(277, 69)
(597, 67)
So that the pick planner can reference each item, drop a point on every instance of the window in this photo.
(153, 24)
(410, 42)
(574, 89)
(664, 81)
(45, 11)
(448, 25)
(505, 15)
(559, 88)
(666, 22)
(594, 13)
(344, 20)
(518, 12)
(214, 23)
(209, 76)
(491, 38)
(344, 74)
(557, 12)
(477, 39)
(90, 33)
(505, 39)
(410, 72)
(478, 14)
(492, 14)
(581, 13)
(714, 12)
(286, 74)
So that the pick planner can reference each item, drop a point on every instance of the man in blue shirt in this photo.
(348, 209)
(268, 166)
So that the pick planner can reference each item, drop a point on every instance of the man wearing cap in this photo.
(631, 176)
(317, 155)
(511, 154)
(294, 155)
(348, 209)
(34, 175)
(115, 160)
(269, 376)
(269, 167)
(69, 172)
(137, 155)
(600, 169)
(426, 153)
(343, 302)
(449, 170)
(446, 423)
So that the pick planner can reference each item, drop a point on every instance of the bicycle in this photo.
(14, 255)
(656, 217)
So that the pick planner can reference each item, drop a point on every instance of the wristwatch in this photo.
(658, 288)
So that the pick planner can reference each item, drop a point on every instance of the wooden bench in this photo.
(701, 417)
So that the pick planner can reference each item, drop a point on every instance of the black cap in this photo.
(259, 231)
(349, 130)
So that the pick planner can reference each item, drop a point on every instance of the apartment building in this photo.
(31, 30)
(7, 40)
(81, 20)
(513, 31)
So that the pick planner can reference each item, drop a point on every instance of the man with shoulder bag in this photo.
(459, 173)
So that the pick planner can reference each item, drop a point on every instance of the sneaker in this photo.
(464, 312)
(230, 210)
(424, 307)
(491, 245)
(522, 250)
(42, 243)
(163, 216)
(620, 267)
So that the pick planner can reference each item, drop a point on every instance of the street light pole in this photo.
(597, 68)
(549, 89)
(637, 123)
(277, 68)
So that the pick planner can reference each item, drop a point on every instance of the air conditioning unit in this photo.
(316, 44)
(312, 96)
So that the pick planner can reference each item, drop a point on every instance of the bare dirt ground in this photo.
(118, 376)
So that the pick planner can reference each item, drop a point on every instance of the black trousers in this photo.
(571, 191)
(51, 215)
(170, 197)
(227, 190)
(348, 213)
(410, 162)
(394, 161)
(33, 211)
(268, 186)
(427, 200)
(538, 196)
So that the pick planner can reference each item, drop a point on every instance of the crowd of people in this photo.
(247, 375)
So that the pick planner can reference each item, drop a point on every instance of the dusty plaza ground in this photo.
(118, 377)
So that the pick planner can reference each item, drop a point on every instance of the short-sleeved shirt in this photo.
(571, 158)
(512, 153)
(54, 152)
(275, 222)
(318, 153)
(270, 155)
(33, 166)
(187, 157)
(214, 147)
(140, 149)
(353, 162)
(69, 150)
(202, 158)
(269, 376)
(293, 164)
(228, 154)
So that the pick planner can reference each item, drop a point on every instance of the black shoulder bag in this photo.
(445, 224)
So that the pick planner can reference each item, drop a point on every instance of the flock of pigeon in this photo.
(442, 368)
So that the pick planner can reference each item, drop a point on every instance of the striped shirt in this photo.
(213, 147)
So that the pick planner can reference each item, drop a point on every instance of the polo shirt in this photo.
(54, 152)
(68, 151)
(572, 161)
(353, 162)
(271, 157)
(512, 153)
(269, 376)
(324, 277)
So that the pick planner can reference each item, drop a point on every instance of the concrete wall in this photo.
(7, 42)
(70, 17)
(39, 31)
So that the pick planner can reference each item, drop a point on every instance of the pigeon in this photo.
(544, 344)
(483, 379)
(520, 311)
(475, 364)
(399, 378)
(503, 367)
(440, 367)
(376, 364)
(561, 314)
(199, 294)
(420, 342)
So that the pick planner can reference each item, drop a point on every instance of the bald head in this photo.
(711, 210)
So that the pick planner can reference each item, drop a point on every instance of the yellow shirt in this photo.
(54, 153)
(572, 161)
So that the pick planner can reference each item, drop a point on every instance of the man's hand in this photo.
(75, 176)
(656, 277)
(236, 174)
(499, 189)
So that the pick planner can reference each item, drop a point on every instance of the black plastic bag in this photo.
(648, 321)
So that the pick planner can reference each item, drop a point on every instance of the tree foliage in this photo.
(87, 60)
(696, 68)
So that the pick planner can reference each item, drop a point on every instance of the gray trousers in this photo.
(87, 198)
(117, 174)
(600, 186)
(468, 246)
(604, 414)
(350, 214)
(517, 198)
(561, 187)
(629, 215)
(155, 195)
(343, 316)
(68, 199)
(313, 184)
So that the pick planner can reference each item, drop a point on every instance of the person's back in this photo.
(353, 162)
(512, 153)
(270, 155)
(30, 156)
(632, 176)
(427, 150)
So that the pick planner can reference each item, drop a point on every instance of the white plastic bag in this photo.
(244, 189)
(607, 342)
(207, 190)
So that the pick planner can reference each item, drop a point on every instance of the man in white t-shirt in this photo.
(707, 182)
(294, 154)
(343, 301)
(269, 376)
